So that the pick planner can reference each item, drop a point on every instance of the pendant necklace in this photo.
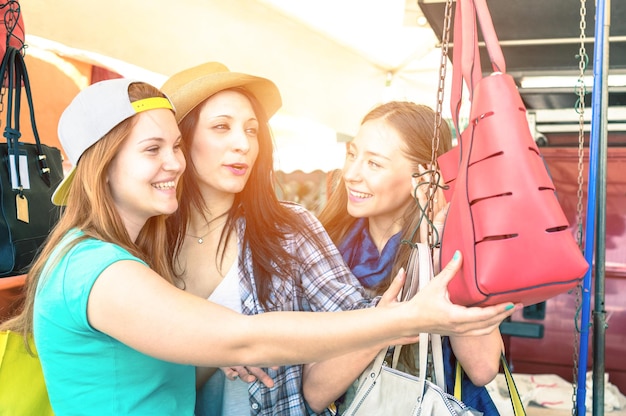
(200, 239)
(210, 230)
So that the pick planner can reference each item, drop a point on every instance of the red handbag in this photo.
(504, 215)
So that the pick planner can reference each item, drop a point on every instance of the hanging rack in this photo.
(596, 195)
(581, 91)
(596, 192)
(14, 26)
(11, 18)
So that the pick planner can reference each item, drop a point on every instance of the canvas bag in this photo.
(504, 215)
(22, 387)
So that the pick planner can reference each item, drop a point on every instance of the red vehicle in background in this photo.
(540, 41)
(540, 338)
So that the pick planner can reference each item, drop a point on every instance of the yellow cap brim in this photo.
(59, 197)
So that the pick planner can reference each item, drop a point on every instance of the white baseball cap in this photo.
(94, 112)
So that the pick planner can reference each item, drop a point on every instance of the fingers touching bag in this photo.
(504, 215)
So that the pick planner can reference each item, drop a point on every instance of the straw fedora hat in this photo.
(192, 86)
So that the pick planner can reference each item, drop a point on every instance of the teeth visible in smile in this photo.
(360, 194)
(165, 185)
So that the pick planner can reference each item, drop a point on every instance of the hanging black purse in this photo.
(29, 173)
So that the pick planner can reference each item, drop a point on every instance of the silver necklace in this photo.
(210, 230)
(200, 239)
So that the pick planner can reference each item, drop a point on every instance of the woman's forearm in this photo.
(479, 356)
(152, 316)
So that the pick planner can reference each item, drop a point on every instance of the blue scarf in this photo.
(361, 254)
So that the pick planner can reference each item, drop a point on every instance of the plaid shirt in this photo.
(323, 283)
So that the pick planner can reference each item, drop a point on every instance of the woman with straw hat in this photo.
(235, 243)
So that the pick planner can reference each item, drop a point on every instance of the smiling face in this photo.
(224, 144)
(143, 175)
(377, 174)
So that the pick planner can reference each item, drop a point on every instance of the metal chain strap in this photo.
(581, 91)
(445, 42)
(2, 93)
(10, 19)
(434, 178)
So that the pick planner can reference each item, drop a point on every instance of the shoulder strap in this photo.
(419, 270)
(516, 401)
(489, 35)
(419, 273)
(11, 134)
(466, 56)
(426, 274)
(44, 170)
(13, 70)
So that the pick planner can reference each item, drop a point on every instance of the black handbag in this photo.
(29, 174)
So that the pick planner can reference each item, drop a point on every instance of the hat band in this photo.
(151, 104)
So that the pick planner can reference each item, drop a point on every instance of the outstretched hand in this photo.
(435, 313)
(447, 318)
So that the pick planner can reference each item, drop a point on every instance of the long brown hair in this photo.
(414, 123)
(268, 222)
(90, 208)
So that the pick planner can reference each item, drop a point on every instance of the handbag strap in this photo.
(409, 289)
(489, 35)
(14, 70)
(437, 358)
(516, 401)
(466, 56)
(7, 74)
(426, 274)
(419, 270)
(419, 273)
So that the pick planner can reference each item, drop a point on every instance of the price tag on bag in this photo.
(24, 177)
(21, 205)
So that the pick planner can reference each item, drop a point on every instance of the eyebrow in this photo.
(158, 139)
(230, 117)
(149, 139)
(370, 153)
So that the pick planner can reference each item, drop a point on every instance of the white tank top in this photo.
(235, 400)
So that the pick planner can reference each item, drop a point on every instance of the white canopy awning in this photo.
(332, 61)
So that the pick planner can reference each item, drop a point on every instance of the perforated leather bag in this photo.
(504, 215)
